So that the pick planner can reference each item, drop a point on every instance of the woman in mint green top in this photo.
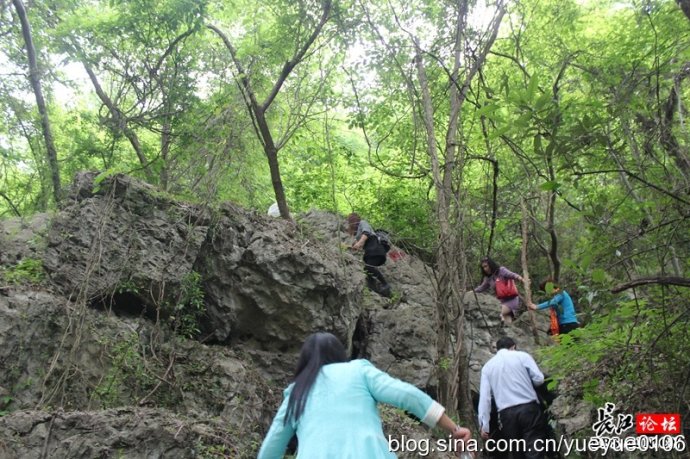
(331, 406)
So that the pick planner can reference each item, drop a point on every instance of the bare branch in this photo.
(297, 58)
(636, 177)
(11, 204)
(677, 281)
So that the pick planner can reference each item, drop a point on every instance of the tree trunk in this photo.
(449, 243)
(120, 121)
(258, 110)
(450, 261)
(34, 77)
(668, 139)
(165, 151)
(685, 6)
(443, 348)
(271, 152)
(525, 270)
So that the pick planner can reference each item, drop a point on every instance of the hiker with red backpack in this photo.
(374, 252)
(561, 306)
(503, 282)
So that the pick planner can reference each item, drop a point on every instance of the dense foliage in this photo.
(578, 110)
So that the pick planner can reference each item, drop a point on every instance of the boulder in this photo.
(266, 281)
(126, 432)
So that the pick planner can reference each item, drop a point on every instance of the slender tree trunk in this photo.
(443, 347)
(668, 139)
(271, 152)
(34, 77)
(551, 225)
(120, 121)
(165, 152)
(450, 261)
(685, 6)
(258, 110)
(525, 269)
(450, 248)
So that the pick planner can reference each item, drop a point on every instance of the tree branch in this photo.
(494, 197)
(11, 204)
(636, 177)
(120, 120)
(244, 78)
(678, 281)
(297, 58)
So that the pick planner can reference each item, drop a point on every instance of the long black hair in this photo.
(493, 266)
(318, 350)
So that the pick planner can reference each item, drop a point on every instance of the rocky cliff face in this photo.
(134, 324)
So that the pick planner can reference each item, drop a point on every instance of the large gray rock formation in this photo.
(267, 281)
(130, 274)
(125, 432)
(263, 279)
(54, 355)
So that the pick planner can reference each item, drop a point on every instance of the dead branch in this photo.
(658, 280)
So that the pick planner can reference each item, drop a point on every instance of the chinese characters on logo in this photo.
(607, 424)
(657, 423)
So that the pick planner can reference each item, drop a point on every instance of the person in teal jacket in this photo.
(562, 304)
(331, 406)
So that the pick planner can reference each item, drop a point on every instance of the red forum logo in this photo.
(657, 423)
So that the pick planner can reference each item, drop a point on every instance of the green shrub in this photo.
(27, 271)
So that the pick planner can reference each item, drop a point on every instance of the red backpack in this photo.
(505, 288)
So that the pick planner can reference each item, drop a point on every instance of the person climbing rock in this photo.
(562, 304)
(502, 281)
(510, 377)
(374, 253)
(332, 406)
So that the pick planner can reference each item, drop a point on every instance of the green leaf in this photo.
(488, 110)
(500, 131)
(542, 101)
(586, 261)
(537, 144)
(532, 88)
(599, 275)
(550, 186)
(523, 121)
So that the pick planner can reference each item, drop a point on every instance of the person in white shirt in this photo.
(510, 377)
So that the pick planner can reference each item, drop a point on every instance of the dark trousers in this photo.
(376, 281)
(374, 273)
(567, 328)
(524, 421)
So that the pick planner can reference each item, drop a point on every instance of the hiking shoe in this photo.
(385, 291)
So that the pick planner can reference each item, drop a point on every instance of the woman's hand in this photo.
(359, 244)
(462, 433)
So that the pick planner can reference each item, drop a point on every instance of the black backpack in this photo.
(384, 239)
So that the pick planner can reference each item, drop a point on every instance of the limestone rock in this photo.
(267, 282)
(121, 232)
(127, 432)
(99, 333)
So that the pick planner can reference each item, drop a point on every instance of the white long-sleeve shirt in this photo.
(510, 376)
